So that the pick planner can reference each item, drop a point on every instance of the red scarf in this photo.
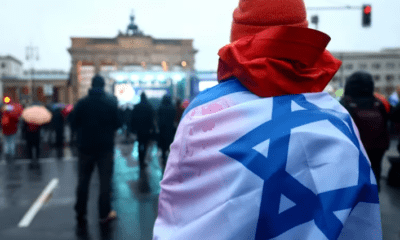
(279, 61)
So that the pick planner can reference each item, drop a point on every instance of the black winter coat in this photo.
(96, 118)
(359, 89)
(166, 117)
(57, 120)
(142, 119)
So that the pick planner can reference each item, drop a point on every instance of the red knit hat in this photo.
(253, 16)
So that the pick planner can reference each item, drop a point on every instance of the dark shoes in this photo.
(81, 227)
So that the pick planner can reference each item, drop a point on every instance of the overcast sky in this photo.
(49, 25)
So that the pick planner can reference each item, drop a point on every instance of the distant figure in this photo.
(47, 129)
(58, 127)
(126, 112)
(142, 123)
(394, 98)
(370, 117)
(31, 132)
(9, 124)
(166, 116)
(179, 111)
(127, 116)
(96, 118)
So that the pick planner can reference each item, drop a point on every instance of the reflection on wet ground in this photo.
(135, 197)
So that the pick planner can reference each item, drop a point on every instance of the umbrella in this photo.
(38, 115)
(385, 102)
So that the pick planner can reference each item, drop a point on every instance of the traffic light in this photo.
(366, 15)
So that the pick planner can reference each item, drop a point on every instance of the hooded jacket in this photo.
(359, 89)
(166, 116)
(11, 127)
(96, 118)
(142, 118)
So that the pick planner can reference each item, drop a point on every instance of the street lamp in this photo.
(32, 55)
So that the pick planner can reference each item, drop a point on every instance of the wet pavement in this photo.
(135, 196)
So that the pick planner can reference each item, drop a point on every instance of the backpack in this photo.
(371, 124)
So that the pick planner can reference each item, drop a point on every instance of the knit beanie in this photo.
(98, 82)
(254, 16)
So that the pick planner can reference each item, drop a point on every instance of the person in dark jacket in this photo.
(166, 116)
(58, 127)
(128, 115)
(142, 123)
(96, 118)
(179, 111)
(359, 96)
(32, 135)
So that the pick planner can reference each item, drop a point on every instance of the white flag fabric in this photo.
(287, 167)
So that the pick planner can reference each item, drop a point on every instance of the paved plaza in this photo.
(135, 196)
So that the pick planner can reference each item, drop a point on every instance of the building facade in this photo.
(131, 52)
(383, 65)
(9, 67)
(48, 86)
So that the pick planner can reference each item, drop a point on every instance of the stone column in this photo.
(188, 83)
(97, 66)
(61, 95)
(70, 95)
(1, 87)
(18, 100)
(74, 94)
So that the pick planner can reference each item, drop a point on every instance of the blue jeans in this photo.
(9, 144)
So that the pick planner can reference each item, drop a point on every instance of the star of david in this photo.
(305, 205)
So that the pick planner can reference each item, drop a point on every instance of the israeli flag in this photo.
(287, 167)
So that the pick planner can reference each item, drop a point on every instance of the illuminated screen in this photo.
(203, 85)
(124, 92)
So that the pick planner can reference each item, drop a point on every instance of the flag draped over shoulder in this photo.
(287, 167)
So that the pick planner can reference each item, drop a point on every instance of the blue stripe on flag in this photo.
(277, 181)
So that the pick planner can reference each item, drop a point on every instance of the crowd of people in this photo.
(93, 123)
(95, 120)
(29, 131)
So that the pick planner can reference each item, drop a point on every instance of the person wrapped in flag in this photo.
(265, 154)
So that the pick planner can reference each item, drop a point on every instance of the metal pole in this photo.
(334, 8)
(32, 55)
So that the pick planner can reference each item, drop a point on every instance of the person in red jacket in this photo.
(9, 123)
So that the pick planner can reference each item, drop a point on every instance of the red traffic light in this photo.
(367, 9)
(366, 15)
